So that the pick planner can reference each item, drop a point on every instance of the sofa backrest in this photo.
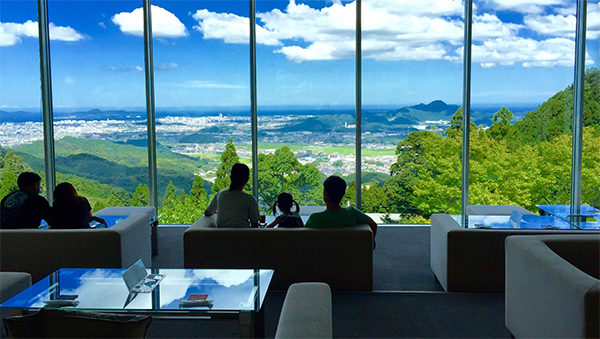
(342, 257)
(41, 252)
(579, 251)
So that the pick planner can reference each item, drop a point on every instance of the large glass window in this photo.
(202, 72)
(412, 86)
(21, 130)
(99, 100)
(590, 180)
(306, 117)
(522, 103)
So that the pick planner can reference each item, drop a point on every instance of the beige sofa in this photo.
(342, 257)
(553, 286)
(472, 260)
(40, 252)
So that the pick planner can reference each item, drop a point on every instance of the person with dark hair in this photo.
(25, 208)
(335, 216)
(287, 218)
(71, 210)
(234, 207)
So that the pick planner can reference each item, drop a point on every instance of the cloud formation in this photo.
(526, 6)
(11, 33)
(164, 23)
(397, 30)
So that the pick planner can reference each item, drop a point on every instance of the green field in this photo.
(343, 150)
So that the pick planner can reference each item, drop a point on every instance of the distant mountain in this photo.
(435, 110)
(108, 172)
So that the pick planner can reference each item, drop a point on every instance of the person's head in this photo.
(240, 174)
(29, 182)
(284, 202)
(64, 190)
(334, 189)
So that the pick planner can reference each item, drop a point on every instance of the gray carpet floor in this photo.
(407, 301)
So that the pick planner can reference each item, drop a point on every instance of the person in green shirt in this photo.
(336, 216)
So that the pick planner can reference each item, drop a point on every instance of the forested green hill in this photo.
(555, 116)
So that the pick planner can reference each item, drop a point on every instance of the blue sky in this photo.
(412, 52)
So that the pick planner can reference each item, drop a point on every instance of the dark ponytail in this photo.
(297, 206)
(275, 208)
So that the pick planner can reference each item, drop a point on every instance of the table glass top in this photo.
(111, 220)
(590, 216)
(532, 222)
(104, 290)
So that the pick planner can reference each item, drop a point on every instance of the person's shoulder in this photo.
(38, 199)
(15, 199)
(315, 219)
(353, 210)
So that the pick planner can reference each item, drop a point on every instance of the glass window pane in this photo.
(99, 100)
(590, 180)
(306, 95)
(202, 70)
(21, 130)
(412, 90)
(522, 104)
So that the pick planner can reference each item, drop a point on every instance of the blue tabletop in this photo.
(105, 290)
(111, 220)
(516, 221)
(590, 214)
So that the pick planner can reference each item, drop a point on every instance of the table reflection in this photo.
(104, 289)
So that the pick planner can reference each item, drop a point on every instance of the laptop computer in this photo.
(138, 281)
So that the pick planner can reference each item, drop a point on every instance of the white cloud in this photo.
(139, 68)
(389, 33)
(11, 33)
(231, 28)
(164, 23)
(489, 26)
(410, 30)
(166, 66)
(553, 25)
(64, 33)
(207, 84)
(527, 52)
(593, 20)
(526, 6)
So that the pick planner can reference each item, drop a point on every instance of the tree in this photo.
(8, 184)
(170, 197)
(282, 172)
(373, 198)
(501, 123)
(349, 198)
(197, 197)
(229, 157)
(455, 128)
(140, 196)
(118, 198)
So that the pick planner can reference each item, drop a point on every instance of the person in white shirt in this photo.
(234, 207)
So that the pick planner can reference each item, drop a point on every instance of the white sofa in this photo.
(553, 286)
(306, 312)
(340, 257)
(472, 260)
(40, 252)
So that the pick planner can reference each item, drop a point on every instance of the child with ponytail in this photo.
(287, 218)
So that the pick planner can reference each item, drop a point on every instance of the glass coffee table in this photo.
(181, 294)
